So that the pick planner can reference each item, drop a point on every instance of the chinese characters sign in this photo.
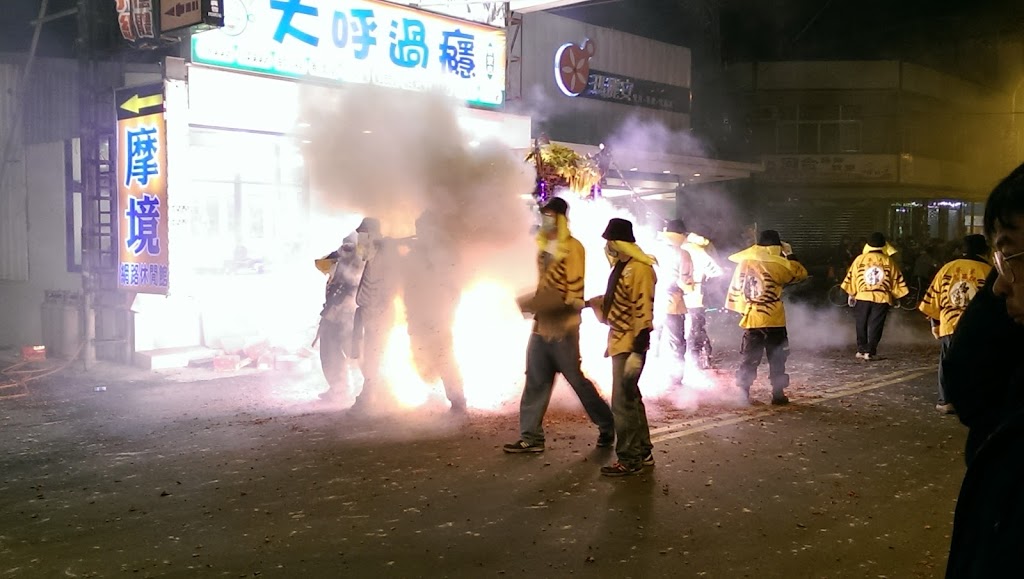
(136, 21)
(359, 41)
(616, 88)
(142, 264)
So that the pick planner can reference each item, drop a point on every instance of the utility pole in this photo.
(89, 144)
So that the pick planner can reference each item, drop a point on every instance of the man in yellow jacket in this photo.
(554, 346)
(705, 268)
(874, 282)
(947, 297)
(676, 268)
(627, 307)
(763, 270)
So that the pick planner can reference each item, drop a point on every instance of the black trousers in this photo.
(870, 323)
(675, 335)
(771, 341)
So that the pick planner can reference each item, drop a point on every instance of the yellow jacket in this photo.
(952, 289)
(875, 277)
(676, 267)
(704, 268)
(756, 287)
(630, 311)
(562, 271)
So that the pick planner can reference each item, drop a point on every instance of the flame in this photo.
(489, 339)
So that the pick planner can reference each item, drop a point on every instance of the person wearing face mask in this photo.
(954, 286)
(874, 282)
(984, 379)
(763, 270)
(554, 345)
(343, 268)
(379, 285)
(431, 292)
(705, 268)
(627, 308)
(676, 267)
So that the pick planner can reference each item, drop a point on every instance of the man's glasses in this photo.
(1004, 268)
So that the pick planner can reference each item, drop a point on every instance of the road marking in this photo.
(689, 427)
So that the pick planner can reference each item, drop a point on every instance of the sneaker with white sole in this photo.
(649, 459)
(945, 408)
(861, 356)
(521, 446)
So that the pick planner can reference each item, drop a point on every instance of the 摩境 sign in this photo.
(142, 262)
(360, 41)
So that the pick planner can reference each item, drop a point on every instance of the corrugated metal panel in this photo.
(51, 111)
(13, 201)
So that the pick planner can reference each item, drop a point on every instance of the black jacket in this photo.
(982, 366)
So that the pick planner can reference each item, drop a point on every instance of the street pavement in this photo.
(198, 475)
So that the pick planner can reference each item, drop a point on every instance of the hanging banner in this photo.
(142, 264)
(359, 41)
(178, 15)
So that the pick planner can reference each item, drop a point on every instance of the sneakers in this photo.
(867, 357)
(649, 459)
(780, 400)
(619, 469)
(861, 356)
(521, 446)
(945, 408)
(605, 440)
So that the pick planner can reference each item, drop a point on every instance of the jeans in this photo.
(631, 429)
(697, 331)
(544, 359)
(870, 323)
(335, 350)
(944, 343)
(675, 335)
(370, 339)
(775, 343)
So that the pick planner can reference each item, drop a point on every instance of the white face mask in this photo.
(611, 253)
(364, 246)
(548, 223)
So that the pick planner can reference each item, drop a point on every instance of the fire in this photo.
(489, 337)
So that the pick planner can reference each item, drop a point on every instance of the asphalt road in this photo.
(186, 477)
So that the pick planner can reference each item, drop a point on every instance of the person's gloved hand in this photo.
(935, 332)
(851, 301)
(576, 304)
(787, 249)
(634, 364)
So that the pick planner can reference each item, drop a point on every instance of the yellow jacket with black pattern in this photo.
(562, 271)
(951, 290)
(756, 288)
(875, 277)
(630, 314)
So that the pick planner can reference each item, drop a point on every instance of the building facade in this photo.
(591, 87)
(851, 147)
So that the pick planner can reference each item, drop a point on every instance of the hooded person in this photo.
(953, 287)
(379, 285)
(874, 282)
(627, 308)
(676, 268)
(554, 345)
(755, 293)
(432, 287)
(705, 268)
(343, 268)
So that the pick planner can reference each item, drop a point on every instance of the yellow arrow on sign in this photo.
(135, 104)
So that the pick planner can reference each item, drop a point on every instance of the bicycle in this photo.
(839, 298)
(909, 301)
